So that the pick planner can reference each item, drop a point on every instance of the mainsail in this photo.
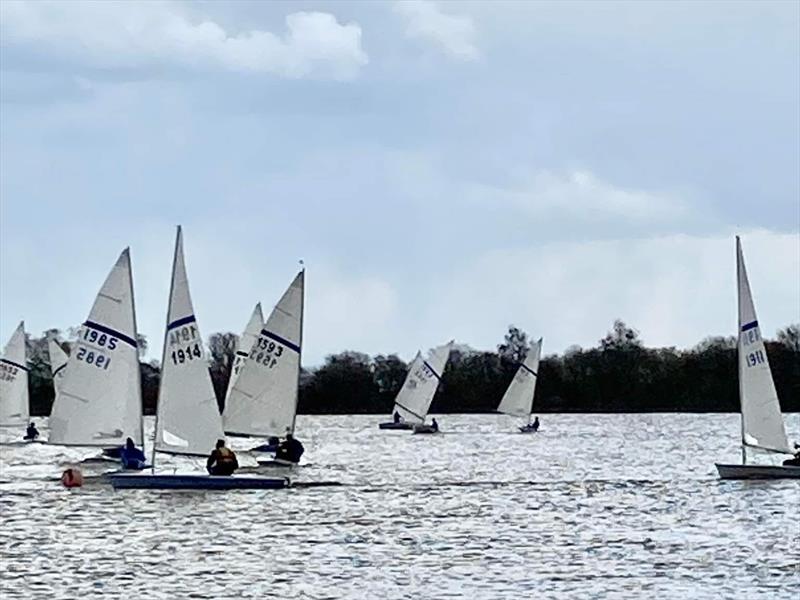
(58, 362)
(263, 401)
(14, 408)
(762, 422)
(518, 399)
(415, 397)
(249, 337)
(187, 420)
(99, 401)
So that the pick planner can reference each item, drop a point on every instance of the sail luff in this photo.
(762, 421)
(300, 354)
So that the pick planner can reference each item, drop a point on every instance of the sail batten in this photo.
(416, 395)
(762, 421)
(263, 399)
(14, 400)
(188, 420)
(99, 400)
(518, 398)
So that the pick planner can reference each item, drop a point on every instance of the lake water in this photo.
(593, 506)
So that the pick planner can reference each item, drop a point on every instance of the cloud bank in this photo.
(158, 34)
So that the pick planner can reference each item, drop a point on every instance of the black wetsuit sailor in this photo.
(291, 449)
(31, 433)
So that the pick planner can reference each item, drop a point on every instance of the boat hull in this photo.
(195, 482)
(393, 425)
(527, 429)
(425, 429)
(757, 472)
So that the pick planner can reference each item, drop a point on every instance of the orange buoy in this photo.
(72, 478)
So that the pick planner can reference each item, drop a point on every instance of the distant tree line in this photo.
(618, 375)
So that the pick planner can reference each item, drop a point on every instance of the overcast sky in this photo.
(444, 169)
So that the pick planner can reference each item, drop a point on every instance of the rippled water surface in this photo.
(613, 506)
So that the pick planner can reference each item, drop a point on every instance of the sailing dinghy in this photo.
(14, 405)
(518, 399)
(99, 399)
(414, 399)
(762, 422)
(263, 401)
(187, 420)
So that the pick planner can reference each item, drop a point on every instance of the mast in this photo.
(164, 348)
(738, 342)
(300, 345)
(136, 336)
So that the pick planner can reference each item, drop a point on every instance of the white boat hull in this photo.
(757, 472)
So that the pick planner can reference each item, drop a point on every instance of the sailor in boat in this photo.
(222, 460)
(291, 449)
(435, 425)
(396, 417)
(131, 457)
(31, 433)
(793, 462)
(535, 424)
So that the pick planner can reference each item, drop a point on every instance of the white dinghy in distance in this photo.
(14, 401)
(762, 422)
(414, 399)
(187, 420)
(99, 400)
(58, 362)
(263, 401)
(518, 399)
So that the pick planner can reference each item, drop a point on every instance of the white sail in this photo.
(99, 402)
(58, 362)
(762, 421)
(249, 337)
(14, 407)
(188, 420)
(263, 401)
(518, 399)
(415, 397)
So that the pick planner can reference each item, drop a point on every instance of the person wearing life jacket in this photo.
(222, 460)
(535, 425)
(31, 433)
(396, 417)
(131, 457)
(435, 425)
(290, 450)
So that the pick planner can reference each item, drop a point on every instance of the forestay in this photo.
(249, 337)
(99, 402)
(518, 399)
(263, 401)
(58, 362)
(14, 407)
(762, 422)
(187, 420)
(416, 395)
